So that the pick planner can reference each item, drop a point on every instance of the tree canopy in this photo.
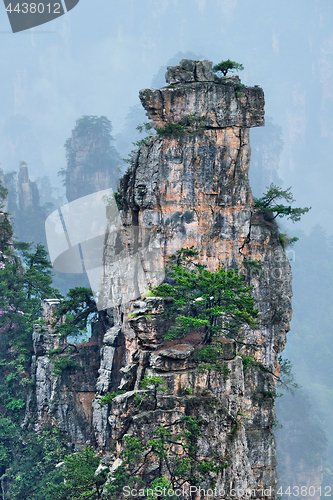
(22, 287)
(79, 309)
(217, 303)
(78, 477)
(224, 67)
(269, 203)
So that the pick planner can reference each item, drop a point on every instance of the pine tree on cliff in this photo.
(218, 304)
(223, 68)
(270, 205)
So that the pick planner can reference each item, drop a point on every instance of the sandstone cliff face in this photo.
(190, 189)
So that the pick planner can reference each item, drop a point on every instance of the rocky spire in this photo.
(27, 190)
(188, 186)
(92, 162)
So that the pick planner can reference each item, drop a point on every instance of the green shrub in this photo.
(64, 363)
(210, 358)
(202, 298)
(287, 240)
(146, 126)
(252, 264)
(79, 480)
(183, 467)
(179, 128)
(171, 129)
(248, 362)
(108, 398)
(141, 142)
(239, 89)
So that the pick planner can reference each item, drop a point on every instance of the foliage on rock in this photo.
(190, 122)
(75, 312)
(78, 477)
(23, 284)
(269, 204)
(174, 449)
(224, 67)
(217, 301)
(28, 460)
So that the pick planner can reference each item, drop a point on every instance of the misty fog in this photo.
(95, 59)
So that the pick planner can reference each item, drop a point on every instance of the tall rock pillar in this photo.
(189, 185)
(27, 190)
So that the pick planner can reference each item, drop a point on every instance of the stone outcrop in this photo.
(189, 186)
(92, 163)
(190, 71)
(27, 190)
(230, 104)
(64, 399)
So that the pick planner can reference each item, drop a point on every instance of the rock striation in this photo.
(230, 103)
(188, 186)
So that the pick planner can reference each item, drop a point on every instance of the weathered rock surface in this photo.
(190, 71)
(189, 189)
(173, 358)
(64, 400)
(192, 187)
(195, 93)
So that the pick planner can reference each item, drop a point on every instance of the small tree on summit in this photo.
(222, 68)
